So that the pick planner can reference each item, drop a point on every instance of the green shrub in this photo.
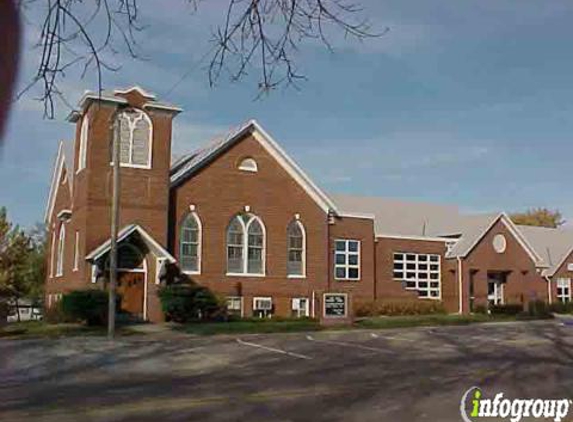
(538, 309)
(508, 309)
(561, 308)
(189, 302)
(89, 306)
(480, 309)
(396, 308)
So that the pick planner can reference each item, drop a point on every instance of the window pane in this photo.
(340, 272)
(353, 259)
(340, 259)
(340, 245)
(353, 246)
(353, 273)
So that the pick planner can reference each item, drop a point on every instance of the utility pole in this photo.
(114, 227)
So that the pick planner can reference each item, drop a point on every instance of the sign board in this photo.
(335, 305)
(569, 267)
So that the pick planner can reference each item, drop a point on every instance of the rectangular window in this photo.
(262, 307)
(564, 290)
(235, 306)
(347, 259)
(300, 307)
(76, 251)
(420, 272)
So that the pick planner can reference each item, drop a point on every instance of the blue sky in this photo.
(460, 102)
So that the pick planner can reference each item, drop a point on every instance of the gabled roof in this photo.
(476, 227)
(189, 165)
(123, 234)
(64, 160)
(553, 245)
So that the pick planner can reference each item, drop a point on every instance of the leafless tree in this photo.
(259, 34)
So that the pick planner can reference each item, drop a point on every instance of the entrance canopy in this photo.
(131, 232)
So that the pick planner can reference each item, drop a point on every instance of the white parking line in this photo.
(272, 349)
(353, 345)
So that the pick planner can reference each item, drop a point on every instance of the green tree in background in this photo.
(541, 217)
(22, 261)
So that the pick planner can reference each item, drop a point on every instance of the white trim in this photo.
(195, 216)
(348, 266)
(357, 215)
(53, 253)
(506, 221)
(292, 168)
(59, 164)
(137, 88)
(522, 240)
(158, 264)
(266, 313)
(297, 309)
(123, 234)
(551, 273)
(303, 231)
(245, 247)
(132, 124)
(76, 251)
(60, 255)
(460, 287)
(249, 165)
(421, 238)
(345, 305)
(145, 289)
(83, 144)
(159, 106)
(241, 301)
(61, 215)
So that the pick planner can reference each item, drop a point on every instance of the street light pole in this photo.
(114, 227)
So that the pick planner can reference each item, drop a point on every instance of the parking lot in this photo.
(389, 375)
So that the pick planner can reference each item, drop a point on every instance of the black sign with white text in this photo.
(334, 305)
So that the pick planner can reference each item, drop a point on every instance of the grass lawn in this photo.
(35, 329)
(250, 326)
(429, 320)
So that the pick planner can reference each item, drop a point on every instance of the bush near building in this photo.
(89, 306)
(189, 302)
(399, 308)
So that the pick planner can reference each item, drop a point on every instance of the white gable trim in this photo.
(136, 88)
(514, 232)
(553, 269)
(273, 148)
(357, 215)
(122, 235)
(55, 184)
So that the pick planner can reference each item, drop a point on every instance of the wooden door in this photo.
(130, 287)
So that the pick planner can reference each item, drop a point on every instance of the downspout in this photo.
(460, 286)
(549, 290)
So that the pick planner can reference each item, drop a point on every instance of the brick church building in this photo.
(242, 218)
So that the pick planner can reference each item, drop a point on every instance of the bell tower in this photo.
(145, 158)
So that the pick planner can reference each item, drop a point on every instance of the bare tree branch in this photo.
(255, 34)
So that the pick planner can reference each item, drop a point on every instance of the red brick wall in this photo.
(219, 192)
(389, 289)
(523, 284)
(562, 272)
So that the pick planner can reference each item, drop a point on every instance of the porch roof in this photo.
(123, 234)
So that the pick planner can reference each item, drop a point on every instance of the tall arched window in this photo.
(246, 245)
(135, 134)
(190, 244)
(82, 154)
(296, 241)
(61, 250)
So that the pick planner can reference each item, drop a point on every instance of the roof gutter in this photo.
(460, 285)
